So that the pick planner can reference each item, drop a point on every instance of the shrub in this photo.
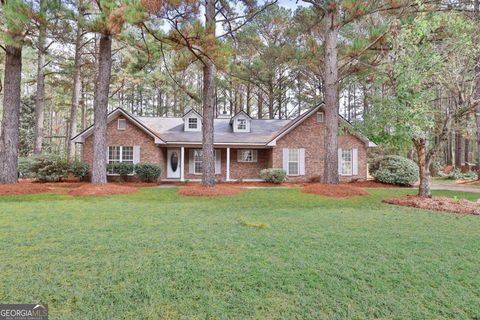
(123, 169)
(79, 169)
(49, 168)
(25, 165)
(395, 170)
(470, 175)
(274, 175)
(455, 174)
(148, 172)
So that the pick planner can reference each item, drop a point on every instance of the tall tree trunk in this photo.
(271, 101)
(424, 167)
(466, 151)
(248, 99)
(259, 104)
(40, 95)
(208, 162)
(458, 148)
(477, 93)
(77, 91)
(102, 87)
(331, 98)
(11, 115)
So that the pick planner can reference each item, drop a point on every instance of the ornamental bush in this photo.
(273, 175)
(25, 165)
(395, 170)
(79, 169)
(123, 169)
(148, 172)
(49, 168)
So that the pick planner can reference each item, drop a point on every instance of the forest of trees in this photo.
(404, 72)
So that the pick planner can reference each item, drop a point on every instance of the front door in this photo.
(173, 164)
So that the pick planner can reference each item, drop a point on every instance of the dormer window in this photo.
(241, 124)
(192, 123)
(121, 124)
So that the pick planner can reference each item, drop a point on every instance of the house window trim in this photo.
(320, 117)
(240, 157)
(244, 122)
(297, 161)
(201, 160)
(120, 159)
(351, 163)
(190, 123)
(118, 124)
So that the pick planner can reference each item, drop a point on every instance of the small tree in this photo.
(408, 107)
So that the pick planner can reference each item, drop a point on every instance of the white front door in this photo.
(173, 164)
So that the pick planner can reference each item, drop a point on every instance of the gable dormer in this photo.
(192, 121)
(241, 122)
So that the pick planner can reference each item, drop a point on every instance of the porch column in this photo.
(182, 163)
(228, 164)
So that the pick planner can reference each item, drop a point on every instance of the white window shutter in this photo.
(339, 161)
(301, 161)
(108, 154)
(285, 160)
(136, 154)
(355, 162)
(191, 164)
(255, 155)
(218, 163)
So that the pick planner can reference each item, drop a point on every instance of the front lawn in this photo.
(157, 255)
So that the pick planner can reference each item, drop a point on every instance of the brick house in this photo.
(243, 146)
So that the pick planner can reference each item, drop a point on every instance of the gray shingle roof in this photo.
(171, 130)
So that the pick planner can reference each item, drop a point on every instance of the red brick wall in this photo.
(349, 141)
(310, 136)
(248, 170)
(132, 135)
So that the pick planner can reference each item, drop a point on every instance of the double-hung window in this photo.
(241, 124)
(192, 123)
(119, 154)
(293, 162)
(347, 162)
(197, 161)
(247, 155)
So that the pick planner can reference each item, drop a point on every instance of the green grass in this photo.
(157, 255)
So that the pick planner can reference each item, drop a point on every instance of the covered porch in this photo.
(232, 163)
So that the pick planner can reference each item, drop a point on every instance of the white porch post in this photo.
(228, 164)
(182, 163)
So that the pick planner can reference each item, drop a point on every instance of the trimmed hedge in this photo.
(123, 169)
(273, 175)
(148, 172)
(395, 170)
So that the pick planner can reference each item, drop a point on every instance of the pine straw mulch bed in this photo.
(197, 190)
(373, 184)
(24, 187)
(345, 190)
(438, 204)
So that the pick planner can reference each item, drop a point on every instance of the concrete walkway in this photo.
(455, 187)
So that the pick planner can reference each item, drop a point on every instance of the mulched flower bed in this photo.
(336, 191)
(438, 204)
(24, 187)
(198, 190)
(372, 184)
